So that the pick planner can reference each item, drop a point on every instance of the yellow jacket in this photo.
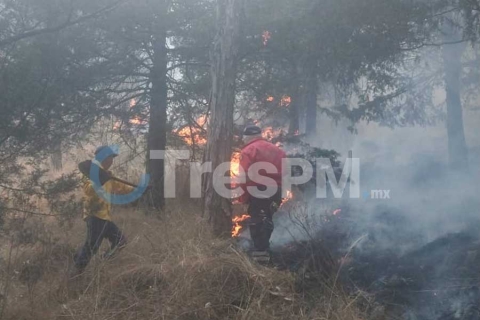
(95, 205)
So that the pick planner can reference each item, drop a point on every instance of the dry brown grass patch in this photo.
(171, 269)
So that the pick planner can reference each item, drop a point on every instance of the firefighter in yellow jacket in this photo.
(97, 215)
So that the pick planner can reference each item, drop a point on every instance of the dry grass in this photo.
(171, 269)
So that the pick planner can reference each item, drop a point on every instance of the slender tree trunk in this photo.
(294, 126)
(157, 139)
(56, 158)
(457, 146)
(311, 90)
(220, 130)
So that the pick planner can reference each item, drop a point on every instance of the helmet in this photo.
(252, 131)
(113, 151)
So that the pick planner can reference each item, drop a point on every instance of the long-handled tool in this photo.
(104, 175)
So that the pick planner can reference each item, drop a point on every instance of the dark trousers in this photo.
(261, 222)
(97, 230)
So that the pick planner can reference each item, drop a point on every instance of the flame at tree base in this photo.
(237, 224)
(239, 221)
(288, 198)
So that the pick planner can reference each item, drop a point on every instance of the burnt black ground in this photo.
(413, 279)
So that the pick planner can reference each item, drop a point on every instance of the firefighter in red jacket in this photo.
(262, 204)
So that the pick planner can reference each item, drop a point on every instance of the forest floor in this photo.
(171, 269)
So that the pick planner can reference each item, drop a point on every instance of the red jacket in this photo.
(260, 150)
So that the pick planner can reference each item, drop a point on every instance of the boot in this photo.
(261, 257)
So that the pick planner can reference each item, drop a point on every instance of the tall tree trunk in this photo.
(220, 130)
(457, 146)
(56, 157)
(311, 90)
(157, 139)
(294, 126)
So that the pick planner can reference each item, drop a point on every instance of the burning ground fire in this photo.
(285, 101)
(135, 120)
(192, 135)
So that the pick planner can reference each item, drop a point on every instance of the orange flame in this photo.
(235, 169)
(286, 101)
(336, 212)
(235, 164)
(266, 35)
(237, 227)
(117, 125)
(288, 198)
(192, 135)
(270, 99)
(136, 120)
(268, 133)
(133, 102)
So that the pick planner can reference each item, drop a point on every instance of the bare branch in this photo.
(66, 24)
(188, 64)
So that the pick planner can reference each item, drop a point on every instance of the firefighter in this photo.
(261, 206)
(97, 215)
